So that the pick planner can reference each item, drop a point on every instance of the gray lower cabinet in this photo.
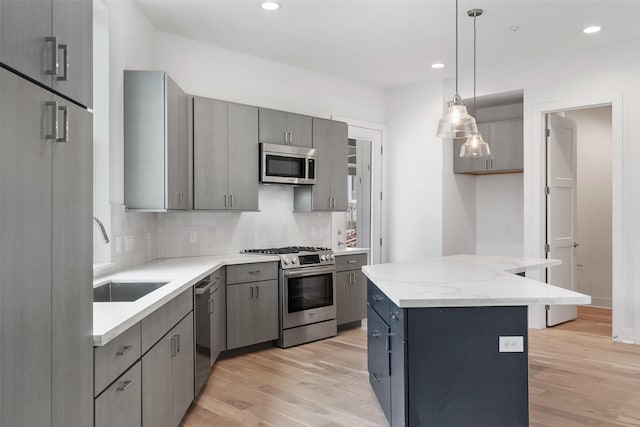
(225, 155)
(50, 41)
(252, 313)
(505, 138)
(351, 288)
(121, 403)
(156, 174)
(167, 377)
(330, 139)
(280, 127)
(45, 240)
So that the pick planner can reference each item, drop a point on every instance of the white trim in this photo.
(376, 133)
(534, 205)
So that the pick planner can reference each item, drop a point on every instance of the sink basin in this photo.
(124, 291)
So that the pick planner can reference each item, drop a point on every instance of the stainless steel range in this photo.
(307, 284)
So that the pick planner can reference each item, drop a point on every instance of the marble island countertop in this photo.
(468, 281)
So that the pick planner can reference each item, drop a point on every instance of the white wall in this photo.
(594, 203)
(413, 159)
(211, 71)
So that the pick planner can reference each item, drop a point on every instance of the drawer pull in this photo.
(126, 349)
(352, 261)
(124, 385)
(254, 272)
(394, 316)
(376, 298)
(376, 334)
(376, 377)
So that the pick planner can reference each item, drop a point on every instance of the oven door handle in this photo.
(311, 271)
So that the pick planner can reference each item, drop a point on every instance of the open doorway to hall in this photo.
(358, 226)
(579, 210)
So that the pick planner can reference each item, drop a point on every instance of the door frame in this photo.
(374, 132)
(535, 203)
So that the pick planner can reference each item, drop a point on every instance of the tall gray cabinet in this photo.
(225, 155)
(46, 352)
(329, 193)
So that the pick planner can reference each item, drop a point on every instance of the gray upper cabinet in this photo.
(280, 127)
(51, 43)
(505, 138)
(329, 193)
(225, 155)
(155, 142)
(46, 358)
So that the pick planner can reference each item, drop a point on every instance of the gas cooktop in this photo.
(286, 250)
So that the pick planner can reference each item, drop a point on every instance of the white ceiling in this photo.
(386, 43)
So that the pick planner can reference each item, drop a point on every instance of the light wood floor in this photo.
(578, 377)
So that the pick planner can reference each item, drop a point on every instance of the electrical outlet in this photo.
(193, 236)
(118, 244)
(148, 237)
(512, 344)
(128, 243)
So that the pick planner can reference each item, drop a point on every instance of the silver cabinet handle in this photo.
(178, 343)
(173, 346)
(53, 71)
(394, 316)
(225, 200)
(65, 64)
(376, 298)
(126, 349)
(286, 137)
(376, 334)
(290, 138)
(351, 261)
(211, 306)
(124, 385)
(353, 278)
(251, 293)
(254, 271)
(231, 200)
(257, 291)
(54, 121)
(65, 126)
(376, 377)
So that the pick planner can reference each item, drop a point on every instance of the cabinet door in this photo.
(24, 25)
(339, 161)
(176, 140)
(343, 297)
(266, 311)
(240, 315)
(25, 244)
(72, 298)
(322, 136)
(243, 157)
(507, 145)
(209, 154)
(157, 394)
(299, 127)
(378, 360)
(182, 368)
(119, 405)
(273, 126)
(398, 380)
(358, 296)
(73, 27)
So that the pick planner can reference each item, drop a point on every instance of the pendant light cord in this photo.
(475, 15)
(457, 47)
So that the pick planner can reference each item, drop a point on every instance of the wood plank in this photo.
(577, 377)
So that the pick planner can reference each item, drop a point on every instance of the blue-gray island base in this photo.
(440, 366)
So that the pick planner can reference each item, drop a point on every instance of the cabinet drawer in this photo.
(113, 359)
(244, 273)
(377, 300)
(397, 320)
(121, 404)
(350, 262)
(158, 323)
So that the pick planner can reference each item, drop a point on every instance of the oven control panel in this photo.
(307, 259)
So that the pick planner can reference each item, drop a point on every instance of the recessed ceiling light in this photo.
(270, 5)
(437, 65)
(592, 29)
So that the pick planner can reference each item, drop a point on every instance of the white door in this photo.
(561, 211)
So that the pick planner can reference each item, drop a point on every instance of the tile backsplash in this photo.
(140, 237)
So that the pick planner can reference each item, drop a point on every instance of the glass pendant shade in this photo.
(475, 146)
(457, 123)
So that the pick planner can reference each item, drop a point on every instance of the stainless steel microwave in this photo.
(286, 164)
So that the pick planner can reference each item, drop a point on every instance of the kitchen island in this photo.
(447, 338)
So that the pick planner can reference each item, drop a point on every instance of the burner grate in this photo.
(285, 250)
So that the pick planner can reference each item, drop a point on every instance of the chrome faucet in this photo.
(105, 236)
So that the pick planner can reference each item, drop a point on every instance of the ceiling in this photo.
(385, 43)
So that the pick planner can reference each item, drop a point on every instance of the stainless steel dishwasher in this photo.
(207, 292)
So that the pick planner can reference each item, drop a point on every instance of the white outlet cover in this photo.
(193, 236)
(128, 243)
(511, 344)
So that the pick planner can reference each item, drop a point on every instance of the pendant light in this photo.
(474, 146)
(457, 123)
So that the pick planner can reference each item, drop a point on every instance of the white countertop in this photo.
(350, 251)
(468, 281)
(110, 319)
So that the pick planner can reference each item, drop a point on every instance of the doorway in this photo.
(358, 229)
(579, 206)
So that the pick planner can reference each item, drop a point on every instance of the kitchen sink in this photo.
(124, 291)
